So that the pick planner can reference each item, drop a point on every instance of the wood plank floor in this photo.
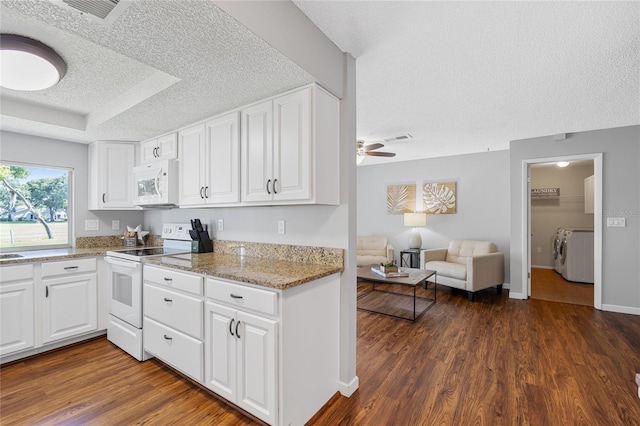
(547, 284)
(495, 361)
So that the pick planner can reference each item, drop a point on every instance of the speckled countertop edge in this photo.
(276, 274)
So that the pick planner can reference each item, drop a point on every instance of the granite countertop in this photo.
(272, 273)
(53, 254)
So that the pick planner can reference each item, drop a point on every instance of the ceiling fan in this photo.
(369, 150)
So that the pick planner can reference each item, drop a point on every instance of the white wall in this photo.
(482, 192)
(621, 198)
(52, 152)
(565, 211)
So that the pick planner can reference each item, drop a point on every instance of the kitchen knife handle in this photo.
(268, 191)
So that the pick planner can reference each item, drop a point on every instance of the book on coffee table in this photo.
(389, 274)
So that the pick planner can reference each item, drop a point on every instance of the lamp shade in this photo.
(415, 219)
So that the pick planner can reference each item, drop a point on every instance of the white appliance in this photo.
(156, 184)
(124, 282)
(557, 249)
(577, 256)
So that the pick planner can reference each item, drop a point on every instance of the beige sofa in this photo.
(373, 250)
(466, 265)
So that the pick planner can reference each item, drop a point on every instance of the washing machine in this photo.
(576, 256)
(555, 248)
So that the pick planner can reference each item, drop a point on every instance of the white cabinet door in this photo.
(292, 167)
(192, 152)
(220, 350)
(111, 175)
(69, 306)
(223, 165)
(257, 152)
(256, 337)
(148, 151)
(167, 147)
(16, 309)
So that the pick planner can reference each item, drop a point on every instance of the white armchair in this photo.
(466, 265)
(373, 250)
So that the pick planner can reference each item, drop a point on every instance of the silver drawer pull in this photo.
(168, 279)
(67, 268)
(167, 337)
(168, 300)
(235, 296)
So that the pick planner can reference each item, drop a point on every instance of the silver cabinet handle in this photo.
(275, 191)
(168, 279)
(167, 337)
(168, 300)
(231, 326)
(268, 191)
(46, 291)
(235, 296)
(201, 189)
(104, 195)
(237, 325)
(68, 268)
(206, 191)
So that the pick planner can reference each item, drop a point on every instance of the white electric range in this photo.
(124, 271)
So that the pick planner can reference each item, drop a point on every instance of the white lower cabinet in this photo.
(240, 359)
(17, 328)
(70, 298)
(173, 319)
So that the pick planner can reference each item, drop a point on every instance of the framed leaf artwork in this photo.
(401, 199)
(439, 198)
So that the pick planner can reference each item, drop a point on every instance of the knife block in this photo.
(201, 242)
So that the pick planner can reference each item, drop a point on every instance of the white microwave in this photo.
(156, 184)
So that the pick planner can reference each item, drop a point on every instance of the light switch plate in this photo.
(619, 222)
(281, 227)
(115, 224)
(220, 224)
(91, 225)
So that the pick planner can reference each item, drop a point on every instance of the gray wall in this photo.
(52, 152)
(621, 198)
(482, 192)
(565, 211)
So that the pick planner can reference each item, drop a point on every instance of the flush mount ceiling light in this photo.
(562, 163)
(29, 65)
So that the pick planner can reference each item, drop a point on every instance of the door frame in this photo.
(597, 221)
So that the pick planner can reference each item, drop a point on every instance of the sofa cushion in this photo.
(459, 250)
(372, 246)
(448, 269)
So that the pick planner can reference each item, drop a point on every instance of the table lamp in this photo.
(414, 220)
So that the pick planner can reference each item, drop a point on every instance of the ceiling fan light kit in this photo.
(28, 65)
(363, 150)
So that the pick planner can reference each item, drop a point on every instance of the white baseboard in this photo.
(621, 309)
(506, 286)
(513, 295)
(347, 389)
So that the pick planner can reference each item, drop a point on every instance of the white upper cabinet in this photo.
(162, 148)
(210, 162)
(290, 149)
(111, 175)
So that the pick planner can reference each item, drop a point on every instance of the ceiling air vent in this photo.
(105, 11)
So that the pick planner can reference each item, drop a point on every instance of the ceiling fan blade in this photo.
(381, 154)
(372, 146)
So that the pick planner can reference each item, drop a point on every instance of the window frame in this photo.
(70, 203)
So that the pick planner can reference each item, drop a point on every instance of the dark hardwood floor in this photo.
(495, 361)
(547, 284)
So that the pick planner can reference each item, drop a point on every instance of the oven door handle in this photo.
(123, 263)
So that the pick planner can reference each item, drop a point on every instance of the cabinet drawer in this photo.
(173, 279)
(241, 296)
(176, 310)
(66, 267)
(177, 349)
(16, 273)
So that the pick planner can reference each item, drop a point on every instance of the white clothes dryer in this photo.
(576, 256)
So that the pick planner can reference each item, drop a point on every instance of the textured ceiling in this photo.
(466, 77)
(160, 66)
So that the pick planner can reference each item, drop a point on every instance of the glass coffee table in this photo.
(382, 306)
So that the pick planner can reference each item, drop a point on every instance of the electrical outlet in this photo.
(281, 227)
(220, 225)
(91, 225)
(539, 249)
(620, 222)
(115, 224)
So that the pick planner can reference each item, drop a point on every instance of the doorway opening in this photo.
(561, 243)
(563, 223)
